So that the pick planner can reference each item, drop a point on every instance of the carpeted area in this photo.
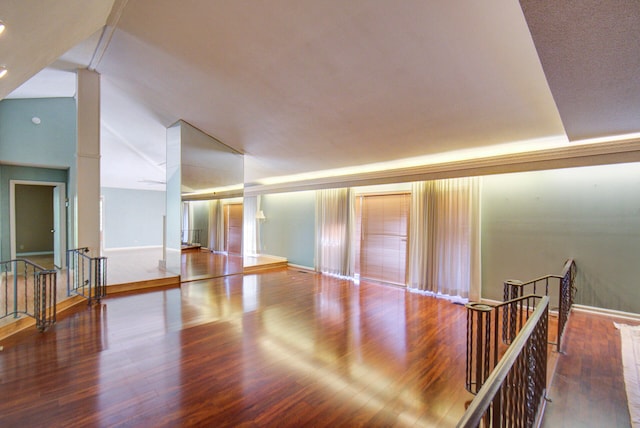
(630, 341)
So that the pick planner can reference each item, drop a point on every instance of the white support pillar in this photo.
(87, 205)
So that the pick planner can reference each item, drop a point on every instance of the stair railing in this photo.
(485, 346)
(28, 289)
(514, 392)
(87, 276)
(566, 292)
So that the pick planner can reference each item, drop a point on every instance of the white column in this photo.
(172, 245)
(87, 205)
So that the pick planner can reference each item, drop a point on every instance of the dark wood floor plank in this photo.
(587, 389)
(283, 348)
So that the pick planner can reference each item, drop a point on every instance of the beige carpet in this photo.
(630, 340)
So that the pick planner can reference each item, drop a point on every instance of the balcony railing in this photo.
(513, 394)
(507, 349)
(562, 299)
(28, 289)
(485, 346)
(87, 276)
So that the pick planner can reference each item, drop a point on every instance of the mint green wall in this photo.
(12, 172)
(51, 144)
(532, 222)
(289, 230)
(132, 218)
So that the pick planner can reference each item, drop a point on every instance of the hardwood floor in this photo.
(136, 269)
(587, 389)
(283, 348)
(202, 264)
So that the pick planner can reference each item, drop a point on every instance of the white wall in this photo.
(132, 218)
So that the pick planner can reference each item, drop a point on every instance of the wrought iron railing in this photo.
(485, 346)
(86, 275)
(28, 289)
(565, 283)
(514, 392)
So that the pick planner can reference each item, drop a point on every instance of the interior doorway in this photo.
(38, 220)
(382, 223)
(233, 229)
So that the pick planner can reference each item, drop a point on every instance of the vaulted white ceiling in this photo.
(302, 86)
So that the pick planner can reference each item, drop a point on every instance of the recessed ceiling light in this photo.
(2, 27)
(3, 71)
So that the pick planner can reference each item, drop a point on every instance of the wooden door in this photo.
(383, 230)
(233, 229)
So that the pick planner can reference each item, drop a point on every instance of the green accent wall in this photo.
(289, 230)
(52, 143)
(50, 146)
(532, 222)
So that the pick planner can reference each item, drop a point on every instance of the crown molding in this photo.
(227, 194)
(623, 151)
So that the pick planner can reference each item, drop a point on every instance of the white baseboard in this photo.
(608, 312)
(588, 309)
(34, 253)
(146, 247)
(307, 268)
(490, 301)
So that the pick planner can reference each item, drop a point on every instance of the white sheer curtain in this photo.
(216, 226)
(249, 231)
(444, 254)
(220, 226)
(334, 221)
(187, 221)
(215, 210)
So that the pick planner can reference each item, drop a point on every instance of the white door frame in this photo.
(60, 228)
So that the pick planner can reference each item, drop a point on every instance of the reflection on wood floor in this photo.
(134, 265)
(137, 268)
(203, 264)
(143, 264)
(282, 348)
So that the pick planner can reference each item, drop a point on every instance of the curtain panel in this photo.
(444, 252)
(334, 224)
(250, 225)
(187, 221)
(216, 226)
